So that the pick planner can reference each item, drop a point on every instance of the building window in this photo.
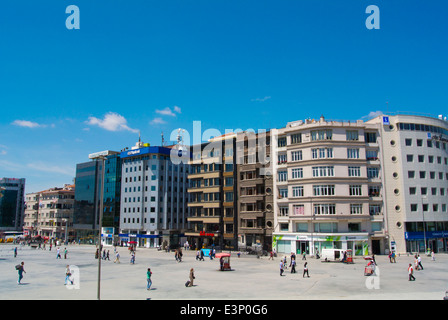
(296, 155)
(352, 135)
(297, 173)
(324, 209)
(298, 209)
(408, 142)
(318, 135)
(323, 190)
(370, 137)
(283, 211)
(353, 153)
(282, 176)
(296, 138)
(373, 173)
(354, 171)
(326, 171)
(355, 190)
(282, 142)
(355, 208)
(297, 192)
(283, 193)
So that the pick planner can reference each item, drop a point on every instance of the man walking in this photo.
(411, 271)
(281, 268)
(419, 259)
(20, 270)
(293, 266)
(148, 279)
(58, 256)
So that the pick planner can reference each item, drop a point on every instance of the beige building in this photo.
(49, 213)
(328, 187)
(415, 178)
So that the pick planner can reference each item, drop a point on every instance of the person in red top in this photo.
(411, 271)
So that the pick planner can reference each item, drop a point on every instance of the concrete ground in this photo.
(251, 278)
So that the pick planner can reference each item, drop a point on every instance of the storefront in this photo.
(310, 243)
(141, 240)
(435, 240)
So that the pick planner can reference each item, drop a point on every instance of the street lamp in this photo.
(100, 224)
(424, 227)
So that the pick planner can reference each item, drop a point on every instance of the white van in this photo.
(332, 254)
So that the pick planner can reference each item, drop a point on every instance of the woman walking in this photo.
(192, 277)
(305, 270)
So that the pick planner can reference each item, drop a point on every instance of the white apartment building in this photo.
(328, 187)
(415, 178)
(153, 210)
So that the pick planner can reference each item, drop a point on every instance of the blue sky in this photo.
(154, 66)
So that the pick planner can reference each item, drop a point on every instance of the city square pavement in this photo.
(250, 279)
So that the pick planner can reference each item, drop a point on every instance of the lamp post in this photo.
(424, 227)
(100, 223)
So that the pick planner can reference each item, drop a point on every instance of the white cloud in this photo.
(261, 99)
(27, 124)
(177, 109)
(112, 122)
(157, 121)
(372, 114)
(166, 112)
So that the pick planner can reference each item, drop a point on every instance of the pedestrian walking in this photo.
(305, 270)
(191, 277)
(67, 275)
(281, 268)
(148, 279)
(133, 257)
(202, 255)
(304, 255)
(293, 266)
(271, 256)
(433, 256)
(107, 255)
(15, 252)
(117, 257)
(410, 272)
(58, 256)
(65, 253)
(285, 263)
(197, 255)
(419, 261)
(20, 268)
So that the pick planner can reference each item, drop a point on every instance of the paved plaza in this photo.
(250, 279)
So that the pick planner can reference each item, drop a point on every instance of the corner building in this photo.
(328, 187)
(153, 209)
(415, 165)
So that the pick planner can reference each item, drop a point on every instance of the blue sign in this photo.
(429, 235)
(386, 120)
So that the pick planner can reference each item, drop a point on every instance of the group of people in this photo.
(292, 265)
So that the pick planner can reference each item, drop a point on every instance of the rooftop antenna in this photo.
(163, 139)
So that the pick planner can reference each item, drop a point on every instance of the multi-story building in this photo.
(88, 196)
(415, 181)
(154, 196)
(49, 213)
(12, 206)
(255, 190)
(328, 187)
(213, 194)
